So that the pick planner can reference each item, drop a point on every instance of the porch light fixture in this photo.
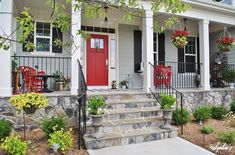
(106, 12)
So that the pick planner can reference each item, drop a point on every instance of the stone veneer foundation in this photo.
(67, 105)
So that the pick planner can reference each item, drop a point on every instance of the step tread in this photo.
(131, 101)
(132, 133)
(133, 110)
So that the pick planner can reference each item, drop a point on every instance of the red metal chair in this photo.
(162, 75)
(30, 80)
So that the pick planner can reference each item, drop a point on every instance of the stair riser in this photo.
(98, 144)
(121, 116)
(130, 105)
(116, 97)
(127, 127)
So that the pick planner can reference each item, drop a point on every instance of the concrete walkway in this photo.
(173, 146)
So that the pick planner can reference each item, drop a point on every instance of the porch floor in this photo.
(93, 92)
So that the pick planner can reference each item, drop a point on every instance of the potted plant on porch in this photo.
(96, 111)
(229, 75)
(124, 84)
(167, 102)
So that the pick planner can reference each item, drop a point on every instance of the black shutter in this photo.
(56, 34)
(137, 50)
(161, 47)
(30, 39)
(181, 68)
(198, 56)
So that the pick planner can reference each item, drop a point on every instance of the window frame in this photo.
(43, 37)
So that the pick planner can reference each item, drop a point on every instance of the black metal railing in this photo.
(81, 99)
(50, 65)
(222, 74)
(162, 88)
(184, 74)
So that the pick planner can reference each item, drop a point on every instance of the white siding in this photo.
(126, 55)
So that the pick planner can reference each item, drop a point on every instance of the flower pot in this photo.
(226, 48)
(59, 85)
(55, 147)
(30, 110)
(231, 85)
(123, 86)
(97, 120)
(167, 116)
(97, 124)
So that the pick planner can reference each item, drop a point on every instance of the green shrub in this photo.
(177, 117)
(218, 112)
(207, 129)
(167, 101)
(53, 124)
(202, 113)
(5, 129)
(64, 139)
(14, 145)
(232, 106)
(227, 137)
(96, 105)
(228, 75)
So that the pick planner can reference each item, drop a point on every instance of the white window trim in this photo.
(46, 37)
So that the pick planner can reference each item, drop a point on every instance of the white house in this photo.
(118, 50)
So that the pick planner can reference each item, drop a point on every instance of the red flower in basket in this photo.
(179, 38)
(225, 44)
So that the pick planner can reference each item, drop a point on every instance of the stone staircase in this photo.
(129, 119)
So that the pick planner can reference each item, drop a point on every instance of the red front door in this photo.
(97, 60)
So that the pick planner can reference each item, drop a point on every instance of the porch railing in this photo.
(81, 100)
(50, 65)
(184, 74)
(221, 74)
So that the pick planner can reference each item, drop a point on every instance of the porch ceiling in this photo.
(36, 5)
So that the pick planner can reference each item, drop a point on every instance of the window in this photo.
(190, 55)
(97, 43)
(187, 57)
(43, 37)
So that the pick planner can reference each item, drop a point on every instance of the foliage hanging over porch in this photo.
(96, 8)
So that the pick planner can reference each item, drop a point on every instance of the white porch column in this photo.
(204, 54)
(5, 56)
(148, 49)
(76, 50)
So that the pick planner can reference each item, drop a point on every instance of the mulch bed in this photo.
(192, 133)
(39, 145)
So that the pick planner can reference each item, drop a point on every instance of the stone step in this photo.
(130, 137)
(117, 114)
(128, 124)
(132, 103)
(122, 96)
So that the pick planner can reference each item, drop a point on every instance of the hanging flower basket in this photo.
(30, 110)
(179, 38)
(225, 44)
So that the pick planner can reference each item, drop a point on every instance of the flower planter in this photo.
(167, 116)
(30, 110)
(55, 147)
(97, 122)
(179, 38)
(231, 85)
